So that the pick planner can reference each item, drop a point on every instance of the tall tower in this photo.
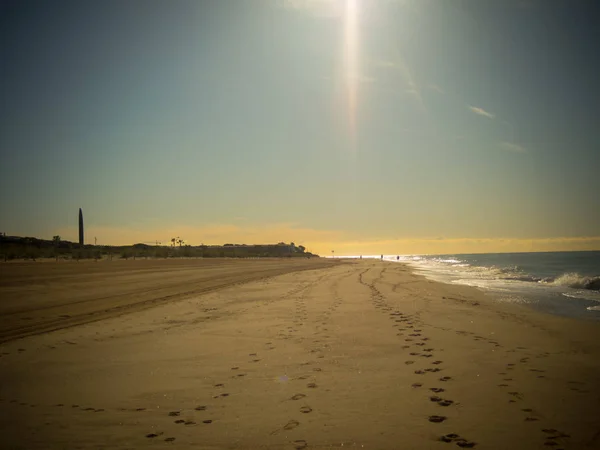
(80, 227)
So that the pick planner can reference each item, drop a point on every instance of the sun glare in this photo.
(351, 65)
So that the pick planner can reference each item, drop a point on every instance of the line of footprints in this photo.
(551, 436)
(405, 326)
(176, 415)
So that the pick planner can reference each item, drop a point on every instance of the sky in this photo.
(358, 126)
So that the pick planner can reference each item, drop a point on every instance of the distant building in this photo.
(80, 227)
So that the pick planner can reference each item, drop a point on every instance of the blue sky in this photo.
(475, 122)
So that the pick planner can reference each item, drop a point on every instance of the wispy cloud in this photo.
(512, 147)
(481, 112)
(435, 87)
(386, 64)
(400, 66)
(317, 8)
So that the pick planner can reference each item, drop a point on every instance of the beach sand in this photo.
(359, 354)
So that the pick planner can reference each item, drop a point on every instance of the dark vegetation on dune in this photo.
(29, 248)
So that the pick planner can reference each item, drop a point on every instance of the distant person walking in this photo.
(382, 257)
(398, 258)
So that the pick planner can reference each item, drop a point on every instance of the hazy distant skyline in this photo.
(364, 126)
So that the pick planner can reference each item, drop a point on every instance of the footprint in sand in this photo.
(445, 378)
(437, 362)
(437, 419)
(200, 408)
(299, 444)
(297, 396)
(416, 385)
(450, 437)
(207, 421)
(311, 385)
(305, 409)
(153, 435)
(419, 372)
(409, 362)
(437, 390)
(291, 425)
(180, 421)
(174, 413)
(445, 402)
(169, 439)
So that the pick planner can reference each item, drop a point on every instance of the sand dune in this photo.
(362, 354)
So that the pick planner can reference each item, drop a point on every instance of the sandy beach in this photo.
(284, 354)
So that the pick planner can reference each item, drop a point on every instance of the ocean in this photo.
(563, 283)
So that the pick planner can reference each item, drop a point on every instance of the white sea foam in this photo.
(574, 280)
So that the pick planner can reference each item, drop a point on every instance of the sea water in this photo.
(564, 283)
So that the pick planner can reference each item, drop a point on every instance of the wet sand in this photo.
(362, 354)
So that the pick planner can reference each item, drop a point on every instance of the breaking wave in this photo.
(574, 280)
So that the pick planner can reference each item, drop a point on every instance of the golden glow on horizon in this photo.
(323, 241)
(351, 66)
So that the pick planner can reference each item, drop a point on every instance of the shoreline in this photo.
(355, 353)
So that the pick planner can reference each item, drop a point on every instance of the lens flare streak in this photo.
(351, 66)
